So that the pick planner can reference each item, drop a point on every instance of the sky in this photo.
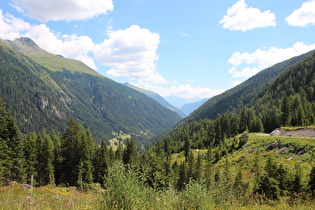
(187, 48)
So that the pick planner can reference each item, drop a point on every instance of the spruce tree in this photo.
(30, 154)
(131, 154)
(12, 166)
(45, 157)
(311, 182)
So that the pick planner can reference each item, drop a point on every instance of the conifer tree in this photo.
(311, 182)
(198, 169)
(57, 162)
(30, 154)
(12, 146)
(297, 182)
(101, 162)
(119, 152)
(70, 152)
(4, 167)
(131, 154)
(45, 158)
(183, 176)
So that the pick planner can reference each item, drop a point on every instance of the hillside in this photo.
(52, 62)
(241, 96)
(286, 100)
(158, 98)
(54, 94)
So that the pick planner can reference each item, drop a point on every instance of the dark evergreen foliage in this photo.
(35, 94)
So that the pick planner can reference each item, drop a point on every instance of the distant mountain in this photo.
(44, 91)
(156, 97)
(180, 102)
(189, 108)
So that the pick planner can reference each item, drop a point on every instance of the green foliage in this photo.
(12, 164)
(124, 190)
(62, 89)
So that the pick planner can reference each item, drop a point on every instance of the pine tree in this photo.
(131, 154)
(297, 182)
(183, 176)
(45, 158)
(311, 182)
(30, 154)
(269, 183)
(191, 165)
(57, 162)
(4, 167)
(198, 169)
(257, 171)
(70, 152)
(286, 111)
(119, 152)
(101, 162)
(12, 166)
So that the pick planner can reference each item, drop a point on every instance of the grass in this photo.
(57, 63)
(48, 197)
(297, 128)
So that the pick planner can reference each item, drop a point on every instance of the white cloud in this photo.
(184, 91)
(12, 27)
(131, 53)
(70, 46)
(183, 34)
(236, 83)
(240, 17)
(304, 15)
(246, 72)
(19, 9)
(45, 10)
(264, 58)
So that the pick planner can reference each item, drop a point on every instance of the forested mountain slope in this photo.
(235, 99)
(288, 100)
(41, 98)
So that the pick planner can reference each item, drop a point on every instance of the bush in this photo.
(124, 190)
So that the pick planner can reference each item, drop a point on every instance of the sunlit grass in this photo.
(48, 197)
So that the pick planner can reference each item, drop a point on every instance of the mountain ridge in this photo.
(158, 98)
(35, 94)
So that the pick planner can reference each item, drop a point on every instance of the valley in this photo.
(72, 133)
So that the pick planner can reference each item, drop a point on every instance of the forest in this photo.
(201, 165)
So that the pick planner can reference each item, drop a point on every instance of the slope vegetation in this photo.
(34, 93)
(235, 99)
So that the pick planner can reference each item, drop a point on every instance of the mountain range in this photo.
(183, 106)
(44, 91)
(157, 98)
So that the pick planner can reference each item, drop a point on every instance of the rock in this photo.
(303, 151)
(12, 183)
(26, 186)
(282, 150)
(253, 150)
(273, 145)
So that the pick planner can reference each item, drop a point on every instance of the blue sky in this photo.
(173, 47)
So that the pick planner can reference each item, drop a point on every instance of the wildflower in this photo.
(69, 203)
